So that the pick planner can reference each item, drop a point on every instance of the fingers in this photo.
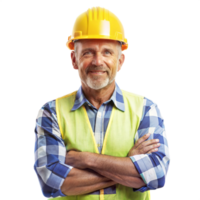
(147, 146)
(149, 142)
(142, 139)
(143, 146)
(151, 148)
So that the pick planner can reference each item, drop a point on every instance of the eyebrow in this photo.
(93, 50)
(87, 49)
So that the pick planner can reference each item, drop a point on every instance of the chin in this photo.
(97, 85)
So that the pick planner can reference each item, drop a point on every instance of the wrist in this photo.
(89, 159)
(85, 158)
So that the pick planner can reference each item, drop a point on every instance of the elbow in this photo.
(45, 190)
(157, 179)
(161, 174)
(49, 193)
(161, 182)
(48, 189)
(155, 184)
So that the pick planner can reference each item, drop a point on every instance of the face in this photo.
(97, 62)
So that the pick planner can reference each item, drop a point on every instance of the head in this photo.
(97, 61)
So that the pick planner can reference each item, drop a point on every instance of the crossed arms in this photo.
(92, 171)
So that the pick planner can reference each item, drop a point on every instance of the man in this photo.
(100, 142)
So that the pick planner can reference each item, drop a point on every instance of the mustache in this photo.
(96, 68)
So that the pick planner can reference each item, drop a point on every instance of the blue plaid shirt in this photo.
(50, 149)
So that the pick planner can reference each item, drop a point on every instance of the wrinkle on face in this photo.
(119, 48)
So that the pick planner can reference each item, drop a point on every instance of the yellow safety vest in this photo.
(77, 134)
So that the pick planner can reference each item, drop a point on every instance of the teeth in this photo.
(97, 72)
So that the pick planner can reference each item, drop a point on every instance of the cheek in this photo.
(83, 64)
(112, 64)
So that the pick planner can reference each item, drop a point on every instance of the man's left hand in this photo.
(76, 159)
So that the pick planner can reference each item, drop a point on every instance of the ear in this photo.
(121, 61)
(73, 58)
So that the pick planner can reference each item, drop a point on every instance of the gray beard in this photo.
(92, 83)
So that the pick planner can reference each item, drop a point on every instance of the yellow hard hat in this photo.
(97, 23)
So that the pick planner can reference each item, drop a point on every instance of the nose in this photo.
(97, 59)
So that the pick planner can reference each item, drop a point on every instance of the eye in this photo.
(107, 52)
(87, 53)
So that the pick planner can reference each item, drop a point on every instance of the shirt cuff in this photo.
(144, 188)
(58, 194)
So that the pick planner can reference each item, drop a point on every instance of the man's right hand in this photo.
(144, 146)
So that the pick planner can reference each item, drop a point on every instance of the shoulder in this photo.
(150, 106)
(47, 109)
(148, 102)
(49, 105)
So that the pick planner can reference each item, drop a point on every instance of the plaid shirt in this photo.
(50, 150)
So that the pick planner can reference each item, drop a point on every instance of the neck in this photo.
(98, 97)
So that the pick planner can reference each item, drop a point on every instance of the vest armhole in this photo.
(58, 112)
(141, 105)
(58, 117)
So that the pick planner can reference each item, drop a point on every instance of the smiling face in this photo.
(97, 62)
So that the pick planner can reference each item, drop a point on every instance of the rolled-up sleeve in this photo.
(50, 152)
(152, 167)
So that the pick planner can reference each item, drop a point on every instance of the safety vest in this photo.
(78, 135)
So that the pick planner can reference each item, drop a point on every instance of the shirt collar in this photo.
(116, 97)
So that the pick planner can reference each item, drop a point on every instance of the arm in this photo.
(50, 167)
(85, 181)
(153, 166)
(120, 170)
(129, 178)
(50, 152)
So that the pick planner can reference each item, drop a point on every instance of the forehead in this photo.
(96, 44)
